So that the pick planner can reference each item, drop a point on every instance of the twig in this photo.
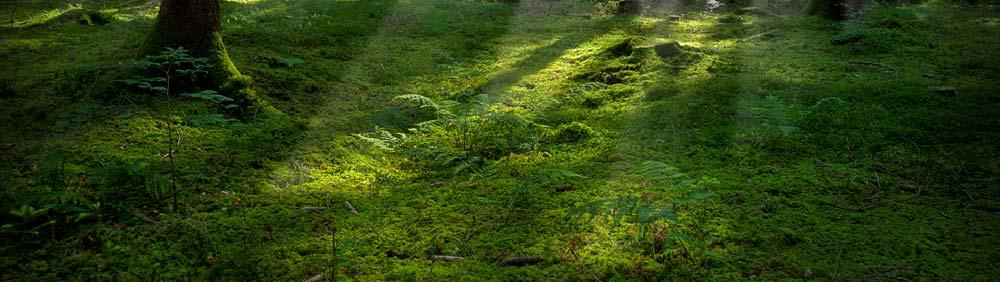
(945, 215)
(316, 278)
(350, 207)
(312, 208)
(900, 278)
(969, 195)
(333, 262)
(872, 64)
(587, 269)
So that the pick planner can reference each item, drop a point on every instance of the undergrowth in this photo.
(438, 140)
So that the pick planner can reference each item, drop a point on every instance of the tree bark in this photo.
(196, 25)
(831, 9)
(630, 7)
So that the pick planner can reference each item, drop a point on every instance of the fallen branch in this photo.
(316, 278)
(312, 208)
(520, 261)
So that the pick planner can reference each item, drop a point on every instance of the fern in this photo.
(466, 103)
(382, 139)
(820, 104)
(416, 100)
(551, 176)
(392, 117)
(770, 113)
(408, 111)
(627, 208)
(660, 174)
(663, 175)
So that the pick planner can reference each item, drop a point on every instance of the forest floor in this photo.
(437, 140)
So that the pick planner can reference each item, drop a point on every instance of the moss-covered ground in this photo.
(759, 148)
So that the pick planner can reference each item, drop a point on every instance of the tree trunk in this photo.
(832, 9)
(630, 7)
(196, 26)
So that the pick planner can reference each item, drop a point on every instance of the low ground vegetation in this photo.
(444, 140)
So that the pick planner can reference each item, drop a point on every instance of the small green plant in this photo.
(453, 134)
(291, 61)
(174, 69)
(659, 173)
(26, 216)
(770, 113)
(8, 87)
(79, 116)
(382, 139)
(626, 209)
(133, 183)
(52, 170)
(407, 111)
(36, 218)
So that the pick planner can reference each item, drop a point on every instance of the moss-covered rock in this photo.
(84, 17)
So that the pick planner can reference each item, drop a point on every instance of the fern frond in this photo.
(382, 139)
(392, 117)
(659, 173)
(625, 208)
(415, 100)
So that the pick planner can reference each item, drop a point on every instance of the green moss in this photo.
(572, 132)
(777, 156)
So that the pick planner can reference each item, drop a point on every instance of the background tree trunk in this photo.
(630, 7)
(831, 9)
(195, 25)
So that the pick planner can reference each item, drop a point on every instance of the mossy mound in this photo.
(892, 18)
(84, 17)
(676, 54)
(572, 133)
(668, 49)
(732, 19)
(626, 46)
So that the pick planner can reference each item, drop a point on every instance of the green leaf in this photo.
(291, 61)
(209, 95)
